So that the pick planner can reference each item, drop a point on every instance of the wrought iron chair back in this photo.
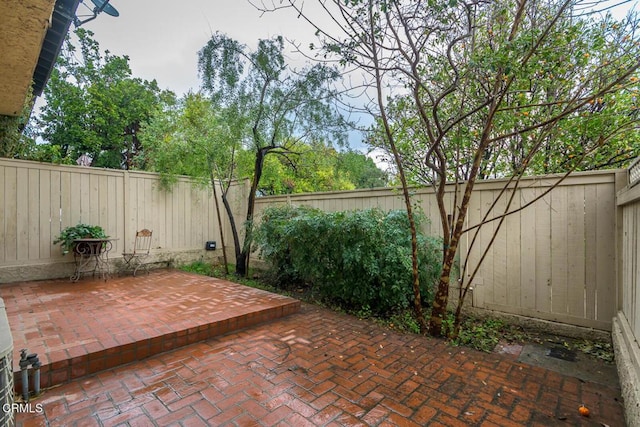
(141, 250)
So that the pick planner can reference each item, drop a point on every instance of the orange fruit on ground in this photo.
(584, 411)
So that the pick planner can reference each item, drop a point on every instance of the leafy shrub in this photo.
(80, 231)
(357, 259)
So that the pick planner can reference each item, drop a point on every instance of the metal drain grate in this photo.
(562, 354)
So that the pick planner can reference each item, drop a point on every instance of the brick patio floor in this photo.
(321, 368)
(85, 327)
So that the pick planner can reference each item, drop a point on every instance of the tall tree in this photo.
(193, 139)
(94, 105)
(481, 82)
(280, 106)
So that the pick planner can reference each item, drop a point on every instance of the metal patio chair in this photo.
(137, 258)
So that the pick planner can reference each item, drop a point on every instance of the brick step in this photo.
(82, 328)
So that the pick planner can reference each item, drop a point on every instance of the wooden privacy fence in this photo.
(38, 200)
(554, 260)
(628, 201)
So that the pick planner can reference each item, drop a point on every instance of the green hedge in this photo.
(360, 260)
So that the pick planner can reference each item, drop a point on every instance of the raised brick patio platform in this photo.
(321, 368)
(92, 325)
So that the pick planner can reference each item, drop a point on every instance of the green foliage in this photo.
(559, 88)
(598, 349)
(490, 89)
(13, 142)
(485, 333)
(272, 106)
(218, 270)
(315, 166)
(80, 231)
(94, 106)
(191, 138)
(405, 321)
(198, 267)
(362, 170)
(482, 336)
(360, 260)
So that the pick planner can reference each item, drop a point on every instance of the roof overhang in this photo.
(31, 35)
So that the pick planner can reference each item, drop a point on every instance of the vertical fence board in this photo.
(160, 229)
(629, 258)
(499, 252)
(543, 254)
(575, 251)
(112, 206)
(169, 221)
(11, 213)
(22, 211)
(33, 213)
(486, 232)
(94, 199)
(85, 196)
(528, 260)
(605, 273)
(196, 217)
(513, 285)
(187, 213)
(559, 234)
(472, 240)
(75, 199)
(591, 251)
(54, 211)
(630, 286)
(633, 267)
(102, 200)
(634, 282)
(44, 214)
(65, 201)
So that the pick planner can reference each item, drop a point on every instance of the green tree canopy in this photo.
(319, 167)
(563, 104)
(13, 141)
(469, 89)
(273, 106)
(94, 105)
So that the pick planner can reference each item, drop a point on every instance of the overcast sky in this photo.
(162, 38)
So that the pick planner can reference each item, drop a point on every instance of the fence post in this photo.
(621, 178)
(126, 189)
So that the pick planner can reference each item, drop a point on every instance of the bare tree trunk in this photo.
(232, 222)
(242, 260)
(224, 248)
(417, 298)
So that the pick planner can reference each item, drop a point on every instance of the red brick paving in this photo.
(91, 325)
(320, 368)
